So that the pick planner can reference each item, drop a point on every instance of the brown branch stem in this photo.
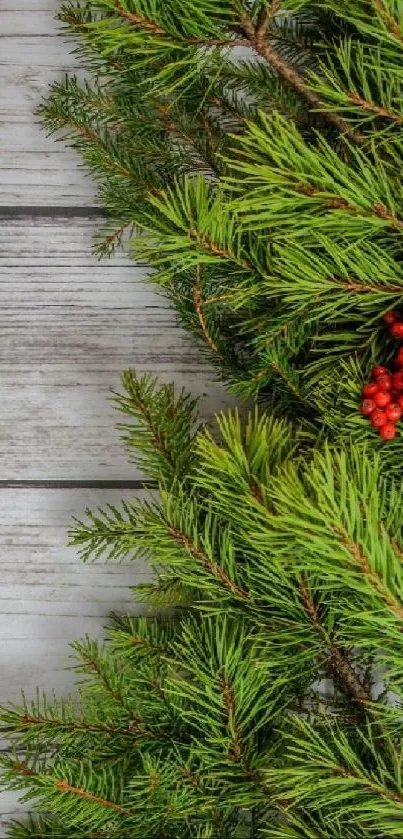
(369, 785)
(373, 578)
(388, 20)
(337, 203)
(114, 237)
(28, 720)
(378, 110)
(155, 29)
(157, 440)
(198, 304)
(64, 786)
(235, 751)
(217, 250)
(337, 662)
(259, 42)
(297, 393)
(212, 567)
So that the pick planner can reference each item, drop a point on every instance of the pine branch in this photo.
(258, 40)
(388, 19)
(160, 441)
(337, 662)
(184, 541)
(199, 304)
(154, 29)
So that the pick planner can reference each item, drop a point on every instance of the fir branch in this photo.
(86, 655)
(359, 557)
(160, 441)
(337, 662)
(372, 107)
(154, 29)
(214, 248)
(199, 304)
(65, 787)
(208, 565)
(138, 20)
(263, 47)
(390, 22)
(235, 751)
(40, 721)
(264, 19)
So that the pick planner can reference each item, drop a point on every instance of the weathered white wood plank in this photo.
(34, 170)
(10, 809)
(69, 326)
(47, 596)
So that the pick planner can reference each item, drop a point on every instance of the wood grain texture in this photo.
(70, 325)
(34, 170)
(48, 597)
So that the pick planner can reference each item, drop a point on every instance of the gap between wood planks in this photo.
(61, 212)
(71, 484)
(55, 212)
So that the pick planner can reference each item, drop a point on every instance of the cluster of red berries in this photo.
(395, 324)
(383, 396)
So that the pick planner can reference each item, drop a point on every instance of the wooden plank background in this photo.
(69, 325)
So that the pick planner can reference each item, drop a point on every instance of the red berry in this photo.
(367, 406)
(379, 371)
(397, 330)
(387, 431)
(399, 357)
(384, 382)
(378, 418)
(397, 380)
(394, 394)
(382, 399)
(390, 317)
(370, 389)
(400, 402)
(393, 411)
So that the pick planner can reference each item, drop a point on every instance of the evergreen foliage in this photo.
(254, 147)
(268, 701)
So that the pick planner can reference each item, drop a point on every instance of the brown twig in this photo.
(185, 542)
(154, 29)
(64, 786)
(337, 203)
(157, 440)
(297, 393)
(234, 753)
(265, 18)
(388, 20)
(28, 720)
(259, 42)
(135, 723)
(380, 111)
(23, 769)
(381, 211)
(369, 785)
(198, 304)
(337, 663)
(138, 20)
(114, 237)
(218, 250)
(373, 578)
(173, 128)
(358, 288)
